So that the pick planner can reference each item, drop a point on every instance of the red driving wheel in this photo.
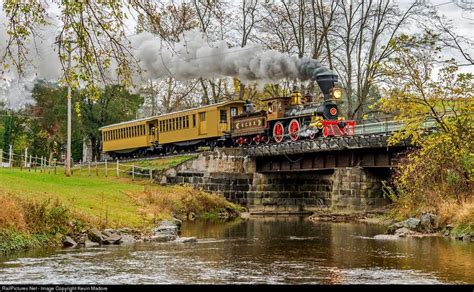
(294, 130)
(278, 132)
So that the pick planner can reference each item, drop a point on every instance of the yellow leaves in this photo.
(77, 109)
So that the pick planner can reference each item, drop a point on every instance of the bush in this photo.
(164, 202)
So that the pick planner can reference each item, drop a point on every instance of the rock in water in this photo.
(166, 227)
(69, 242)
(113, 239)
(429, 222)
(162, 238)
(95, 235)
(402, 232)
(127, 239)
(89, 243)
(177, 222)
(411, 223)
(386, 237)
(186, 240)
(392, 228)
(466, 237)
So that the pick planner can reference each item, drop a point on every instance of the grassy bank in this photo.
(39, 208)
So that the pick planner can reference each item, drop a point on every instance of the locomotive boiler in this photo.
(291, 118)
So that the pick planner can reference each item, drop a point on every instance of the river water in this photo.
(273, 250)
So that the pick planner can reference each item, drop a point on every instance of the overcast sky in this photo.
(461, 17)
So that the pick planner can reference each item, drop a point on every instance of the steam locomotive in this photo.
(291, 118)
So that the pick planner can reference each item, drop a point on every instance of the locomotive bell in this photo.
(326, 83)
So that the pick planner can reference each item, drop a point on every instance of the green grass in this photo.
(162, 163)
(100, 199)
(125, 168)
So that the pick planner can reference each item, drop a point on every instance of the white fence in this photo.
(104, 168)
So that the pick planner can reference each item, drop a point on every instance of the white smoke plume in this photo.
(15, 90)
(194, 57)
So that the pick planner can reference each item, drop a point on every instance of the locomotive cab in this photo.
(277, 106)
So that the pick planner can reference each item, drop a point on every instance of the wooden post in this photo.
(151, 174)
(36, 161)
(105, 165)
(118, 168)
(41, 164)
(29, 168)
(55, 166)
(1, 157)
(89, 168)
(96, 169)
(26, 157)
(10, 157)
(133, 172)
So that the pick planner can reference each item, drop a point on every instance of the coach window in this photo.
(223, 117)
(202, 116)
(194, 120)
(233, 111)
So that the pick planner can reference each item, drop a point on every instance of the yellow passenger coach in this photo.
(183, 130)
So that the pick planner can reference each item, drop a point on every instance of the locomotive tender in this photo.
(231, 123)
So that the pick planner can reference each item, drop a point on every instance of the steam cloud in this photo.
(192, 57)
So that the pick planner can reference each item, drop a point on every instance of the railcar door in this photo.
(152, 133)
(202, 123)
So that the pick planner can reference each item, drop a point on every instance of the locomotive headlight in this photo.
(336, 93)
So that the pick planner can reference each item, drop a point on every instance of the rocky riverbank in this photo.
(375, 216)
(427, 225)
(165, 231)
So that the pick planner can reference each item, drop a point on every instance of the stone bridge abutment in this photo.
(240, 179)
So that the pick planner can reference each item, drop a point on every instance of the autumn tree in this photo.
(438, 118)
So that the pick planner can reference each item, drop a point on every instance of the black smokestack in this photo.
(326, 82)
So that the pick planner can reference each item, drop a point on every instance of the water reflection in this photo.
(259, 250)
